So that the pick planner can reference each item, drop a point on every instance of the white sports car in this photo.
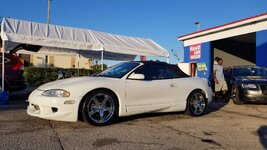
(125, 89)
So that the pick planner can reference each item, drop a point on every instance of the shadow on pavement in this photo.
(17, 100)
(262, 132)
(216, 105)
(157, 117)
(212, 107)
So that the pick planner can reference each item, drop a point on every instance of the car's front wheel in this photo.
(235, 95)
(100, 108)
(196, 103)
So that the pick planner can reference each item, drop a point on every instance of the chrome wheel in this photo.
(197, 104)
(234, 93)
(100, 108)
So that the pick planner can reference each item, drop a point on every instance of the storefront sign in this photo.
(195, 51)
(201, 66)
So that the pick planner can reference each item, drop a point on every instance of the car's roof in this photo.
(154, 62)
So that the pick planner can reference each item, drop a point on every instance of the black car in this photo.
(247, 84)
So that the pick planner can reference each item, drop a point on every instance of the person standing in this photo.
(220, 83)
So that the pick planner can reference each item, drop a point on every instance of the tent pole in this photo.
(102, 60)
(3, 66)
(168, 60)
(79, 64)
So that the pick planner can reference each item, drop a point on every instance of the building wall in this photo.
(86, 63)
(205, 58)
(63, 61)
(38, 60)
(226, 31)
(233, 51)
(71, 62)
(261, 48)
(59, 61)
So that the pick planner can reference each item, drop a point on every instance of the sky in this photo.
(160, 20)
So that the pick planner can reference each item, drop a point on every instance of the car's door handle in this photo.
(173, 85)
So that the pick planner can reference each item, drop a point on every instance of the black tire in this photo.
(235, 95)
(196, 103)
(100, 108)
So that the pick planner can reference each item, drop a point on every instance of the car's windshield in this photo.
(118, 71)
(250, 71)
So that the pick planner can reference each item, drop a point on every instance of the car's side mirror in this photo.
(136, 76)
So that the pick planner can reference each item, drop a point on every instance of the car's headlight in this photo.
(56, 93)
(249, 86)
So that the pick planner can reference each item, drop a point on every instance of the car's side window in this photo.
(153, 71)
(173, 72)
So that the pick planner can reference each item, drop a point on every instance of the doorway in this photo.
(193, 69)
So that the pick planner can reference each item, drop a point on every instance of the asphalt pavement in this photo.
(225, 126)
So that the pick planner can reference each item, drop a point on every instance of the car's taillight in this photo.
(16, 62)
(18, 66)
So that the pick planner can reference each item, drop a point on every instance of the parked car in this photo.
(247, 84)
(125, 89)
(14, 68)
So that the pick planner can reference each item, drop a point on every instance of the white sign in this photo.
(195, 51)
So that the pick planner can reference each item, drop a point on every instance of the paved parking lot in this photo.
(226, 126)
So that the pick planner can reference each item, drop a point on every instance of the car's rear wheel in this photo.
(235, 95)
(100, 108)
(196, 103)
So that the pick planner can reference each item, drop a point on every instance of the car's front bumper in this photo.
(52, 108)
(255, 96)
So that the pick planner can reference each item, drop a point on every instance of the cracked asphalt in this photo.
(225, 126)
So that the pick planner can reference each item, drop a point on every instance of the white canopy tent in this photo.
(82, 41)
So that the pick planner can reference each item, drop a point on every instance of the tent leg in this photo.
(3, 66)
(168, 60)
(102, 60)
(78, 64)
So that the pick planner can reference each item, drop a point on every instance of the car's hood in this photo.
(253, 79)
(72, 82)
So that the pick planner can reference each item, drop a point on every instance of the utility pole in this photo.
(48, 12)
(48, 22)
(198, 25)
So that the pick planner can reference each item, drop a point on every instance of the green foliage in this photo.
(98, 67)
(37, 76)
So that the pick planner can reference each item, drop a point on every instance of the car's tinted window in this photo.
(153, 71)
(250, 71)
(160, 71)
(174, 72)
(118, 71)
